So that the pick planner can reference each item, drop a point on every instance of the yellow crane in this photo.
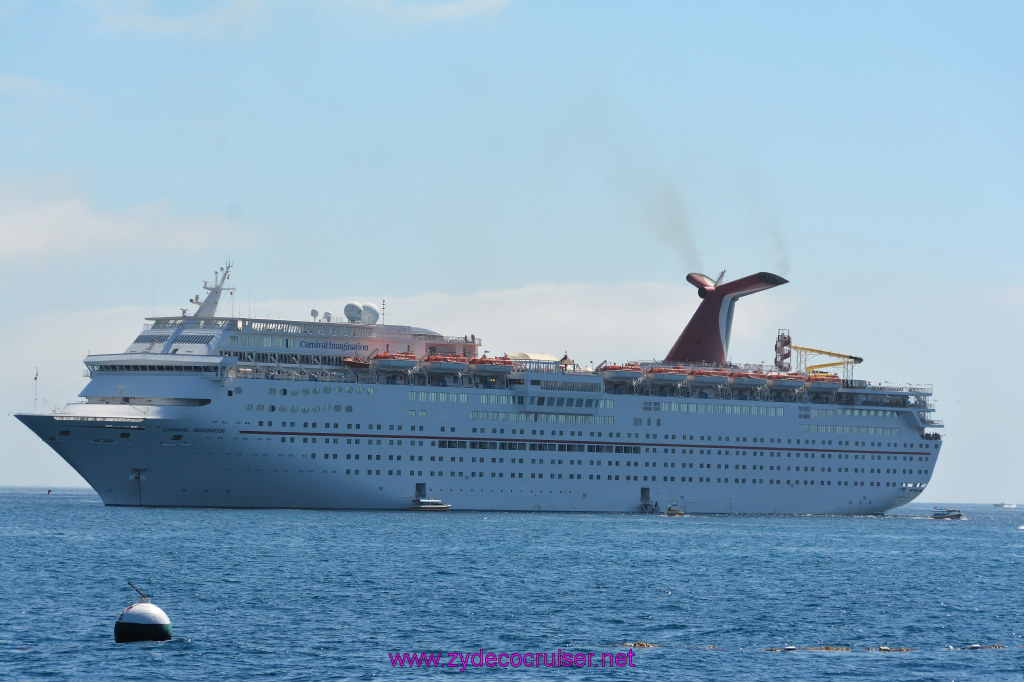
(845, 361)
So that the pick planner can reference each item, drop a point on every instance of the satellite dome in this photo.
(353, 312)
(328, 316)
(371, 313)
(314, 313)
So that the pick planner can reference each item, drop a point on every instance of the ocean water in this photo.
(313, 595)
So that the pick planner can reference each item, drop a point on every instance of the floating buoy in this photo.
(142, 622)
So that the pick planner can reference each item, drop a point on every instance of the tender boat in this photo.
(393, 362)
(428, 504)
(747, 379)
(445, 364)
(785, 382)
(666, 375)
(622, 373)
(707, 377)
(491, 367)
(674, 510)
(823, 382)
(944, 513)
(356, 362)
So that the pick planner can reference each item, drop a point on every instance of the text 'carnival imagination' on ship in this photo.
(208, 411)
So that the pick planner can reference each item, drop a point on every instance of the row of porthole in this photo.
(317, 391)
(304, 409)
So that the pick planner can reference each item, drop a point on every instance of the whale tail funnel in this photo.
(706, 336)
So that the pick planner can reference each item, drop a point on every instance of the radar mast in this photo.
(208, 307)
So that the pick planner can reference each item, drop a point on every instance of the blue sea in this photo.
(314, 595)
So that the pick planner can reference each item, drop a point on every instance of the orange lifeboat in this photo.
(820, 383)
(666, 375)
(785, 382)
(627, 373)
(355, 362)
(444, 364)
(393, 362)
(747, 379)
(707, 377)
(491, 367)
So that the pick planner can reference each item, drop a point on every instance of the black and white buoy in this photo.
(142, 622)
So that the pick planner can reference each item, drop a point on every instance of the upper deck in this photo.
(291, 342)
(359, 350)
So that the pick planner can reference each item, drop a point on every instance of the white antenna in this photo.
(35, 393)
(383, 309)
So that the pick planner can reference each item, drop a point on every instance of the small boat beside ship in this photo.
(429, 504)
(944, 513)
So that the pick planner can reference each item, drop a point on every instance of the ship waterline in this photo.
(207, 411)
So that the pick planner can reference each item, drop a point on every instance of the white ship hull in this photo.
(223, 454)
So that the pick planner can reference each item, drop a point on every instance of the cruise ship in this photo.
(238, 412)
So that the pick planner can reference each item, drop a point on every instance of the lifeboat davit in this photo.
(785, 382)
(666, 375)
(823, 382)
(491, 367)
(707, 377)
(393, 362)
(622, 373)
(444, 364)
(747, 379)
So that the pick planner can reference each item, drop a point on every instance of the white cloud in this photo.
(20, 84)
(37, 221)
(1013, 296)
(58, 357)
(427, 12)
(224, 19)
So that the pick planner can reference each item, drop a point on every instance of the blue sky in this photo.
(541, 174)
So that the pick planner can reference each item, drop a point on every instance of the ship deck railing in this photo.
(864, 397)
(908, 388)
